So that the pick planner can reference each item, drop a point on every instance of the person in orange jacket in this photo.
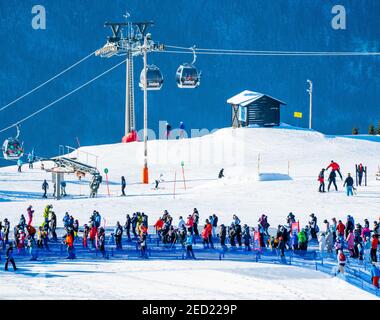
(69, 241)
(209, 233)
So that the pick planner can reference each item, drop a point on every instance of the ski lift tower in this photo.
(127, 40)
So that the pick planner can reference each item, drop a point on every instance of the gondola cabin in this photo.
(154, 77)
(188, 77)
(12, 149)
(254, 108)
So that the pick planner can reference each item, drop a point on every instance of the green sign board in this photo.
(105, 170)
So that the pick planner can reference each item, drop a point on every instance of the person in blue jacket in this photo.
(189, 246)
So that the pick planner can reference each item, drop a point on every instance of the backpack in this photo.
(316, 229)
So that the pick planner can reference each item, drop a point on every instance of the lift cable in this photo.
(46, 82)
(63, 97)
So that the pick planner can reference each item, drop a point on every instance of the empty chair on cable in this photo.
(154, 78)
(12, 148)
(188, 77)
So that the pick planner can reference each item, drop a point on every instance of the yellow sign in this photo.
(298, 115)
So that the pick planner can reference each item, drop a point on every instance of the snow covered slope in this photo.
(240, 192)
(242, 153)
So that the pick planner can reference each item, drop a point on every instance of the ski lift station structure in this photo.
(254, 108)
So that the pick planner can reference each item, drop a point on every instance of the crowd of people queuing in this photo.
(334, 238)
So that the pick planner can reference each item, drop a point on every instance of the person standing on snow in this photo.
(349, 184)
(168, 130)
(321, 179)
(322, 244)
(19, 165)
(127, 227)
(118, 236)
(335, 167)
(123, 185)
(332, 180)
(45, 187)
(30, 160)
(374, 245)
(222, 235)
(9, 258)
(189, 246)
(360, 173)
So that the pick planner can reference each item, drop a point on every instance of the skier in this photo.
(189, 246)
(335, 167)
(322, 244)
(168, 130)
(63, 189)
(9, 258)
(30, 160)
(321, 179)
(181, 223)
(221, 173)
(158, 181)
(45, 187)
(314, 229)
(349, 184)
(19, 165)
(195, 221)
(6, 228)
(222, 235)
(69, 241)
(53, 225)
(123, 185)
(247, 238)
(205, 237)
(214, 223)
(360, 171)
(127, 227)
(332, 180)
(118, 232)
(232, 234)
(143, 245)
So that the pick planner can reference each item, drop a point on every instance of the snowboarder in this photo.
(335, 167)
(123, 185)
(9, 258)
(221, 174)
(45, 187)
(332, 180)
(321, 179)
(349, 184)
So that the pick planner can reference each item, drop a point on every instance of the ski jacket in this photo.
(340, 227)
(302, 237)
(350, 240)
(375, 271)
(334, 166)
(332, 175)
(189, 240)
(374, 243)
(349, 182)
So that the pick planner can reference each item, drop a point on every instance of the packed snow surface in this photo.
(244, 154)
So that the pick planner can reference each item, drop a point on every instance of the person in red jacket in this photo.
(190, 223)
(159, 224)
(205, 237)
(334, 166)
(374, 245)
(340, 229)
